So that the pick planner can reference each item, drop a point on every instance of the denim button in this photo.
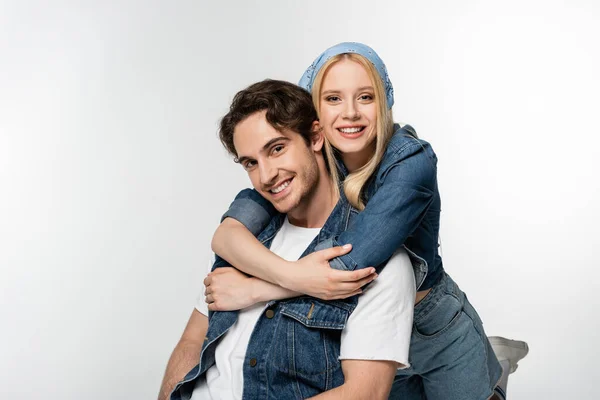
(270, 314)
(253, 362)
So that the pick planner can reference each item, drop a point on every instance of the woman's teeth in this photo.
(280, 187)
(351, 130)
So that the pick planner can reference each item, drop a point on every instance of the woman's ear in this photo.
(317, 136)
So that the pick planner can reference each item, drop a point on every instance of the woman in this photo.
(390, 175)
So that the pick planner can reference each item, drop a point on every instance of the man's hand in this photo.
(313, 276)
(228, 289)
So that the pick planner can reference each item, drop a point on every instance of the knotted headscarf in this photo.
(308, 78)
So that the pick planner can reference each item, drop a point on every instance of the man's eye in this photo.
(249, 164)
(277, 149)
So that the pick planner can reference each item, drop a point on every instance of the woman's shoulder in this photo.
(405, 143)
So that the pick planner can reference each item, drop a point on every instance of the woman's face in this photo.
(348, 112)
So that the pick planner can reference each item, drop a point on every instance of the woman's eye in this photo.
(332, 98)
(277, 149)
(366, 97)
(249, 164)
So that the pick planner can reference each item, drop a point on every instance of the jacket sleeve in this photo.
(405, 187)
(252, 210)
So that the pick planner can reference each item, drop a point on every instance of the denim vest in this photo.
(294, 348)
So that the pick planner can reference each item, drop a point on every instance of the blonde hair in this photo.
(355, 182)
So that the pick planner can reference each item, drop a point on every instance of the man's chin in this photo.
(284, 206)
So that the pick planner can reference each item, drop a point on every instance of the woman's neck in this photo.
(356, 160)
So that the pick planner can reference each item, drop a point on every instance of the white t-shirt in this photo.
(378, 329)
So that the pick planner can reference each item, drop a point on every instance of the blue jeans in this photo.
(450, 355)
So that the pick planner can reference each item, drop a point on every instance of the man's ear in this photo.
(317, 136)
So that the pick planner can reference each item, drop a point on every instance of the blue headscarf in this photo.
(308, 78)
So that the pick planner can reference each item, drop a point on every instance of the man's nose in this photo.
(268, 173)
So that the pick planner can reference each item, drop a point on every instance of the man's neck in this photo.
(314, 211)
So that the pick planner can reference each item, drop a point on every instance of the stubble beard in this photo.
(309, 180)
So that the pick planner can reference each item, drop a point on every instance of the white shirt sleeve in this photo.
(201, 305)
(381, 325)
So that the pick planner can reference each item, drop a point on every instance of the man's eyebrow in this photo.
(242, 159)
(275, 140)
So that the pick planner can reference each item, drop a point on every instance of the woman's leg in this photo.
(449, 348)
(509, 353)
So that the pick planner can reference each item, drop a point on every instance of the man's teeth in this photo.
(280, 187)
(351, 130)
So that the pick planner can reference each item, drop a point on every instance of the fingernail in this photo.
(346, 246)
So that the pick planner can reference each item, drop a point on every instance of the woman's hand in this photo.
(313, 276)
(228, 289)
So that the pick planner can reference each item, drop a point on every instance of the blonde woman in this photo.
(389, 175)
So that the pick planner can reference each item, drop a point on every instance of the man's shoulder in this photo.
(272, 227)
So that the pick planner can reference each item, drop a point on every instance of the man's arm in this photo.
(363, 379)
(379, 328)
(186, 354)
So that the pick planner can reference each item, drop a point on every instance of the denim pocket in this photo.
(439, 317)
(309, 341)
(315, 313)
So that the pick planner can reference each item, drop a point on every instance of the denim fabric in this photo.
(292, 354)
(450, 355)
(403, 210)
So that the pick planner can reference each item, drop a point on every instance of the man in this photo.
(291, 349)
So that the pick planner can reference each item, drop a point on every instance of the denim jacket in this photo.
(294, 348)
(403, 209)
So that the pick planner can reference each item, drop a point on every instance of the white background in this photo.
(112, 177)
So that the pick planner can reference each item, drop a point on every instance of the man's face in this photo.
(281, 165)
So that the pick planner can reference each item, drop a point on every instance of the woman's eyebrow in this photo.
(360, 89)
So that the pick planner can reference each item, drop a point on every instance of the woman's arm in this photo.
(407, 184)
(235, 242)
(228, 289)
(239, 246)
